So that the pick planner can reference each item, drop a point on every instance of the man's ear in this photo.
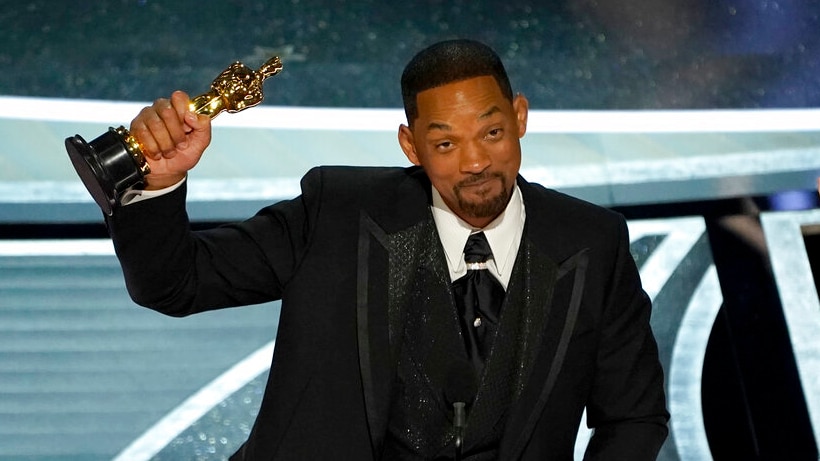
(522, 108)
(408, 144)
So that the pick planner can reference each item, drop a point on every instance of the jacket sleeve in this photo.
(173, 270)
(627, 404)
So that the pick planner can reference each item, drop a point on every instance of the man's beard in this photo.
(490, 207)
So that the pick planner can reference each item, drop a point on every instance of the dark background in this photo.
(572, 54)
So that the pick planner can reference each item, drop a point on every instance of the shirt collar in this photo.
(502, 233)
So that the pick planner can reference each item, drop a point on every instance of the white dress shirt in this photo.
(503, 234)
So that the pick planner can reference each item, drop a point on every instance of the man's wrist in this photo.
(159, 182)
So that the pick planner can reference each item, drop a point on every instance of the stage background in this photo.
(698, 120)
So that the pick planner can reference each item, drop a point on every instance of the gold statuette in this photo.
(113, 163)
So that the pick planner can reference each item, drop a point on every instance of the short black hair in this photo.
(448, 62)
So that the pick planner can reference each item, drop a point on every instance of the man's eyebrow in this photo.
(438, 126)
(445, 127)
(490, 112)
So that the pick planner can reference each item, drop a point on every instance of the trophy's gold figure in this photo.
(236, 88)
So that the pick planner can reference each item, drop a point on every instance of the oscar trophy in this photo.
(114, 163)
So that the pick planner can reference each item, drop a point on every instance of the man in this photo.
(375, 349)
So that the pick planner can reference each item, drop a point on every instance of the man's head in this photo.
(447, 62)
(464, 127)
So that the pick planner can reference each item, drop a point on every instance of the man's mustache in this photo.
(479, 177)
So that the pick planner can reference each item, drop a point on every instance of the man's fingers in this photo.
(160, 129)
(181, 103)
(169, 130)
(143, 134)
(158, 132)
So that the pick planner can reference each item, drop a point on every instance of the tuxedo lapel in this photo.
(561, 316)
(433, 338)
(375, 356)
(406, 314)
(386, 262)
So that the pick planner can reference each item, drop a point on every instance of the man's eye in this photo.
(444, 145)
(494, 133)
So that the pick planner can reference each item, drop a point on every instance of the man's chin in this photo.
(476, 198)
(487, 208)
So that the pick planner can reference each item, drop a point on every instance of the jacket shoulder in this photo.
(395, 197)
(356, 178)
(564, 208)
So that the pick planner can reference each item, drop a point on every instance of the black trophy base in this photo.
(105, 166)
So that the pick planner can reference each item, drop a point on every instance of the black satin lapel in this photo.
(536, 295)
(373, 334)
(555, 338)
(430, 313)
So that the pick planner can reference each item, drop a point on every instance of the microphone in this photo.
(460, 389)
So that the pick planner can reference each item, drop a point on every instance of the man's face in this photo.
(466, 138)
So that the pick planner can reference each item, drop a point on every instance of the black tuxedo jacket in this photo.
(327, 255)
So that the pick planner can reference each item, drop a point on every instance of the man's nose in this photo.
(474, 159)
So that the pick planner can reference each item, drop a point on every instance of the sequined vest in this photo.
(425, 334)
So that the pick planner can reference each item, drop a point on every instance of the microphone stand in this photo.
(459, 421)
(460, 389)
